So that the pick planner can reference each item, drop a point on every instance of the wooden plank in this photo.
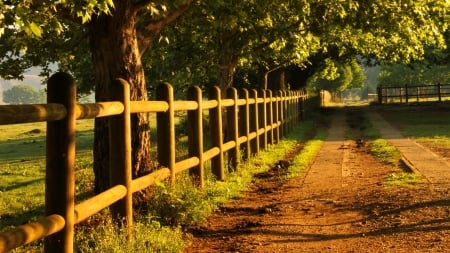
(17, 114)
(97, 110)
(100, 201)
(31, 232)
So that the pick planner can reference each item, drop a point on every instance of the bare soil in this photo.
(357, 213)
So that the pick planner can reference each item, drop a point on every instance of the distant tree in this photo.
(23, 94)
(413, 74)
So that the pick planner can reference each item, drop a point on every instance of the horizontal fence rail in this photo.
(408, 93)
(253, 119)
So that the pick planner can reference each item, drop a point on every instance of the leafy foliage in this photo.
(413, 74)
(179, 205)
(264, 35)
(338, 76)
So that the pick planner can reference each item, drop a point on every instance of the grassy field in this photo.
(427, 125)
(22, 169)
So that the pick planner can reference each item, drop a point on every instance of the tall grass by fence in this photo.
(254, 120)
(408, 94)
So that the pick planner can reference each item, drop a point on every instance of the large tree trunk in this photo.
(227, 61)
(226, 71)
(115, 53)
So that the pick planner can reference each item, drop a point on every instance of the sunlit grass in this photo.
(148, 236)
(430, 126)
(22, 170)
(404, 179)
(384, 151)
(301, 162)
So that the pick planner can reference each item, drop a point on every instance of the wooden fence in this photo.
(408, 94)
(254, 120)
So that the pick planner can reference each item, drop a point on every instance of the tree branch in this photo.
(141, 5)
(149, 31)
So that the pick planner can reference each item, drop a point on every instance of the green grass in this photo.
(428, 126)
(22, 169)
(302, 161)
(148, 236)
(385, 152)
(404, 179)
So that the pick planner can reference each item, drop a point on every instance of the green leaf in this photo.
(35, 29)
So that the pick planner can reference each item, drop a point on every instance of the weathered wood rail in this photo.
(255, 119)
(408, 94)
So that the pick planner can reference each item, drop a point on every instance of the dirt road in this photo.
(339, 205)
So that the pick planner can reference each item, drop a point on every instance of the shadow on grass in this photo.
(21, 184)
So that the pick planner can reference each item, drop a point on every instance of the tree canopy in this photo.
(263, 36)
(413, 74)
(434, 68)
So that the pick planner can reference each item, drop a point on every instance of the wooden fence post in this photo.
(165, 127)
(263, 120)
(216, 132)
(254, 121)
(439, 92)
(244, 116)
(276, 118)
(292, 117)
(295, 108)
(406, 94)
(269, 114)
(284, 113)
(302, 104)
(417, 94)
(233, 130)
(120, 155)
(60, 162)
(195, 135)
(379, 95)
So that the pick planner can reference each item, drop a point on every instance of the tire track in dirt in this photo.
(339, 205)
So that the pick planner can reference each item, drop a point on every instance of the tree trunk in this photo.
(115, 53)
(276, 80)
(227, 61)
(226, 72)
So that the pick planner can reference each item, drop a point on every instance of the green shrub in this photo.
(182, 204)
(148, 236)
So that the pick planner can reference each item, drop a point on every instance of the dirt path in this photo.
(339, 205)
